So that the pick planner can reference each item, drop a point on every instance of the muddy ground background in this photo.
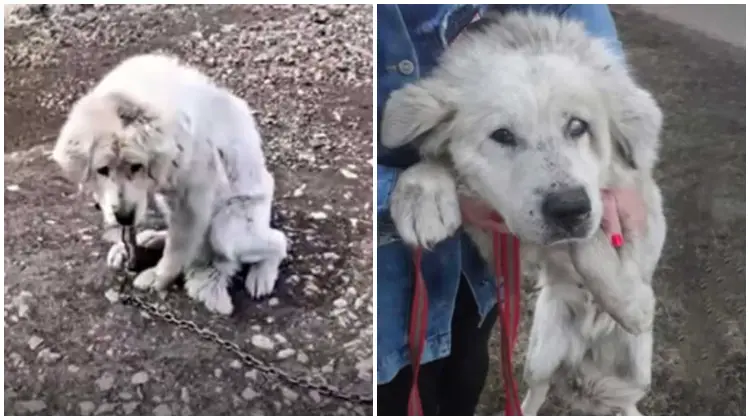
(69, 350)
(699, 355)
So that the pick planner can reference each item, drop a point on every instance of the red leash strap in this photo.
(507, 258)
(417, 334)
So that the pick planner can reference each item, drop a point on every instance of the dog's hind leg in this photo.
(551, 343)
(237, 236)
(210, 284)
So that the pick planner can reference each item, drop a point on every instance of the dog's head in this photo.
(528, 110)
(120, 150)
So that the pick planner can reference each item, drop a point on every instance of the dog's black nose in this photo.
(125, 218)
(567, 208)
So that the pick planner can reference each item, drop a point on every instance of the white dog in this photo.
(155, 128)
(535, 118)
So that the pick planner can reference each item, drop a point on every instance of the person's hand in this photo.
(477, 213)
(624, 212)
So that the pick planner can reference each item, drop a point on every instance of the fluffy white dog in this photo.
(535, 118)
(155, 128)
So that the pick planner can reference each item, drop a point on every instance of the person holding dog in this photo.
(461, 289)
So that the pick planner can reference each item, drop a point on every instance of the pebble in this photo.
(105, 382)
(86, 408)
(339, 303)
(302, 357)
(273, 301)
(318, 215)
(112, 295)
(348, 174)
(139, 378)
(162, 410)
(104, 408)
(31, 406)
(184, 395)
(48, 356)
(280, 338)
(34, 342)
(262, 342)
(315, 396)
(289, 394)
(73, 368)
(235, 364)
(252, 375)
(249, 394)
(217, 373)
(13, 187)
(285, 353)
(125, 396)
(129, 408)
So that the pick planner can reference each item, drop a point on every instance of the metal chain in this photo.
(308, 382)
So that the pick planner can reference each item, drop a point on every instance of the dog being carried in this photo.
(535, 118)
(156, 129)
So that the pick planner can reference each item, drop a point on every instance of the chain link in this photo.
(308, 382)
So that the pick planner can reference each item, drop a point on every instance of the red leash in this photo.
(506, 250)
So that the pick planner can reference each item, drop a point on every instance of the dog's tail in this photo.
(602, 394)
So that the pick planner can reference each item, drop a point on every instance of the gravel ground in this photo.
(699, 354)
(307, 70)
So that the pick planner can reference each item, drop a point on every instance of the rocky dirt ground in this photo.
(699, 355)
(68, 349)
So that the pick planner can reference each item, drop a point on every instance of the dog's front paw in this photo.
(117, 256)
(424, 205)
(638, 316)
(151, 279)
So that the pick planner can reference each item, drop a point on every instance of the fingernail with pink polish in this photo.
(617, 240)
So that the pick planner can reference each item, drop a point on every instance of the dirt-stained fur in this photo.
(534, 117)
(155, 128)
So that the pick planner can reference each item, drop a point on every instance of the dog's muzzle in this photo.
(125, 217)
(568, 211)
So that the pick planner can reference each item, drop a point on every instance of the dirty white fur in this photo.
(532, 75)
(155, 127)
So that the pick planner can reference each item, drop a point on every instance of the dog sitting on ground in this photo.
(154, 127)
(534, 117)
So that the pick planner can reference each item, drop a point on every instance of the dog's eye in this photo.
(503, 136)
(135, 167)
(103, 171)
(577, 127)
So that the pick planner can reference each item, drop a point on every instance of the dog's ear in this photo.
(73, 149)
(164, 143)
(635, 125)
(413, 114)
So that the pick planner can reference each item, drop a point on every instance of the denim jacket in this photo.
(410, 41)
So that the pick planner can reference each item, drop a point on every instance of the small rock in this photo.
(73, 368)
(302, 357)
(348, 174)
(184, 395)
(34, 342)
(31, 406)
(339, 303)
(129, 408)
(235, 364)
(315, 396)
(262, 342)
(13, 187)
(280, 338)
(249, 394)
(289, 394)
(105, 382)
(104, 408)
(162, 410)
(125, 396)
(112, 295)
(139, 378)
(48, 356)
(86, 408)
(252, 375)
(217, 373)
(273, 301)
(318, 215)
(285, 353)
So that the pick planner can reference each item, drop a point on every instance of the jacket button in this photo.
(406, 67)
